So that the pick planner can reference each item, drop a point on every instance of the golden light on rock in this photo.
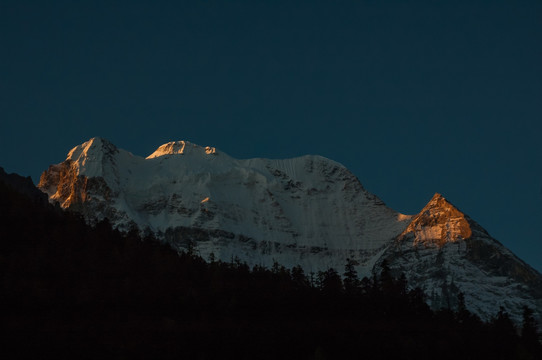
(437, 224)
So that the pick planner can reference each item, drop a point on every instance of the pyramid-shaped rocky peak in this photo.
(438, 223)
(67, 183)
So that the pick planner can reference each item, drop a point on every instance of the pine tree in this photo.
(330, 281)
(402, 285)
(386, 282)
(275, 269)
(529, 332)
(504, 335)
(462, 313)
(367, 286)
(351, 280)
(299, 278)
(504, 326)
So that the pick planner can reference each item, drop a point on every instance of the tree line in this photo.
(68, 289)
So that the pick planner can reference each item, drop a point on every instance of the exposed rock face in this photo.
(308, 211)
(68, 185)
(437, 224)
(180, 148)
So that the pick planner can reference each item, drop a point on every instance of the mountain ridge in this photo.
(271, 199)
(308, 211)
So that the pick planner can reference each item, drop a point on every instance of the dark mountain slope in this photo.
(91, 292)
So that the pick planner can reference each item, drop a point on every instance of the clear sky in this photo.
(414, 97)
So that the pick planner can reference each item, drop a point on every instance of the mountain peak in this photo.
(439, 202)
(180, 148)
(93, 147)
(438, 223)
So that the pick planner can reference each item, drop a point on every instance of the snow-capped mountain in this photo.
(308, 211)
(444, 252)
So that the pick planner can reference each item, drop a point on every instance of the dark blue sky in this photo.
(415, 97)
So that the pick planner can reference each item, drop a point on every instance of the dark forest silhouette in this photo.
(68, 289)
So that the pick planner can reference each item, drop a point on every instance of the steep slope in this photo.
(445, 252)
(308, 210)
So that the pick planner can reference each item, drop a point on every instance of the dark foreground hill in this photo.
(68, 289)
